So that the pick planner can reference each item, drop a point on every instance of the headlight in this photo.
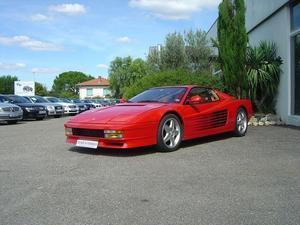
(68, 131)
(50, 107)
(1, 110)
(65, 107)
(113, 133)
(29, 109)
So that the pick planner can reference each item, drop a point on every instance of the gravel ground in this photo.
(216, 180)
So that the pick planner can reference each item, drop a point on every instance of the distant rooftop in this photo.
(100, 81)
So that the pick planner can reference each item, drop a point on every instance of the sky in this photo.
(40, 39)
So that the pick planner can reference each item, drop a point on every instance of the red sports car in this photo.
(162, 116)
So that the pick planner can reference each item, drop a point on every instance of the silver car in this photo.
(69, 108)
(52, 109)
(10, 113)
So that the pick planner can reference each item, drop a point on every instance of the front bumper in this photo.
(34, 114)
(71, 111)
(11, 116)
(55, 112)
(134, 136)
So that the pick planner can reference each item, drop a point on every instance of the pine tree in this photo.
(232, 45)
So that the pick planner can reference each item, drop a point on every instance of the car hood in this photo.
(3, 105)
(28, 104)
(128, 112)
(47, 104)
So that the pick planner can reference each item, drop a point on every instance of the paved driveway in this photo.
(220, 180)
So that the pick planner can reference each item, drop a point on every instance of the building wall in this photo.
(270, 21)
(97, 92)
(258, 10)
(277, 29)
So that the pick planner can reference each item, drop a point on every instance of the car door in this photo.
(205, 117)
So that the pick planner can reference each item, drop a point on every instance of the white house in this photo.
(98, 87)
(278, 21)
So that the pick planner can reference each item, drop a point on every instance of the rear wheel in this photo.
(57, 116)
(39, 118)
(169, 133)
(241, 125)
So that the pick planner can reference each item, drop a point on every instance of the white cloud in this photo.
(125, 40)
(102, 66)
(40, 17)
(69, 9)
(11, 66)
(46, 70)
(29, 43)
(174, 9)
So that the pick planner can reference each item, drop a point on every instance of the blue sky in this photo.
(40, 39)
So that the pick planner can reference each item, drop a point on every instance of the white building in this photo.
(96, 88)
(278, 21)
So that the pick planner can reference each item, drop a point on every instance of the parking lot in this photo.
(216, 180)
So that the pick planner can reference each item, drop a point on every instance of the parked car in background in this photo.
(69, 108)
(30, 110)
(10, 113)
(81, 106)
(52, 109)
(95, 104)
(87, 105)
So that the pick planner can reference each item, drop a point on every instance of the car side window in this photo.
(207, 95)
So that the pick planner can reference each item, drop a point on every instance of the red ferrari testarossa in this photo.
(162, 116)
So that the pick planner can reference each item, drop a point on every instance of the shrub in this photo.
(263, 75)
(177, 77)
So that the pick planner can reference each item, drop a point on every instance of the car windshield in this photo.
(87, 101)
(53, 99)
(77, 101)
(38, 99)
(17, 99)
(164, 95)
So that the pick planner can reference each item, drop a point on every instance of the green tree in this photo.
(123, 72)
(263, 74)
(232, 45)
(154, 60)
(7, 84)
(65, 84)
(197, 50)
(173, 53)
(40, 89)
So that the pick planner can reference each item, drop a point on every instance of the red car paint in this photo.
(140, 121)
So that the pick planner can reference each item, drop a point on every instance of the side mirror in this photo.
(195, 100)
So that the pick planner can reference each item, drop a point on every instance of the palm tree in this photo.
(263, 75)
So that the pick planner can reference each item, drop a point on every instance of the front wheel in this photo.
(170, 133)
(241, 125)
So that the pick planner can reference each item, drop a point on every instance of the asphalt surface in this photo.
(216, 180)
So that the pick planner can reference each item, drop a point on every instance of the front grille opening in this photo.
(88, 132)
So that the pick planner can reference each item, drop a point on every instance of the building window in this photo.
(89, 92)
(296, 83)
(296, 17)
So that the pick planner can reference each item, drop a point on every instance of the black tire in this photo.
(240, 132)
(57, 116)
(39, 118)
(161, 145)
(12, 121)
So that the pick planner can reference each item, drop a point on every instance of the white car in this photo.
(10, 113)
(69, 108)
